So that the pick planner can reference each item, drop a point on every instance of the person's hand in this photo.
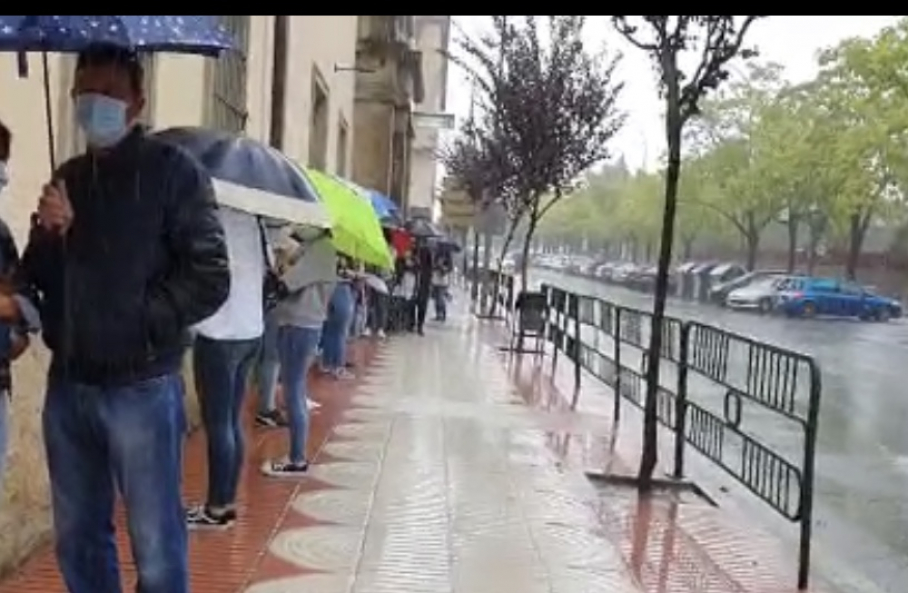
(55, 212)
(9, 308)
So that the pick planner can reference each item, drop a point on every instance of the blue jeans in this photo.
(297, 346)
(337, 326)
(130, 438)
(268, 366)
(221, 373)
(440, 296)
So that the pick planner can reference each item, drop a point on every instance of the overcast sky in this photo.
(792, 41)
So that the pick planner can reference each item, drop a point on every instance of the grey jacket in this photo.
(311, 282)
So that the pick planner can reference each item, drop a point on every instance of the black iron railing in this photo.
(718, 390)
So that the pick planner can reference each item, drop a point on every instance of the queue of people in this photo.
(119, 287)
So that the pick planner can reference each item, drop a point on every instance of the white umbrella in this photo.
(376, 283)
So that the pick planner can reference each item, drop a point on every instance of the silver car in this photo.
(760, 295)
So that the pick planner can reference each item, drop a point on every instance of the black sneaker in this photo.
(200, 517)
(283, 468)
(271, 419)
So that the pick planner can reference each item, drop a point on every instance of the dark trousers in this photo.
(420, 307)
(377, 316)
(222, 370)
(127, 438)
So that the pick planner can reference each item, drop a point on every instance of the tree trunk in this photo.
(500, 263)
(792, 241)
(486, 265)
(816, 228)
(751, 240)
(525, 254)
(673, 124)
(752, 245)
(687, 248)
(474, 287)
(857, 230)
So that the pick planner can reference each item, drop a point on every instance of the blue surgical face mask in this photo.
(4, 175)
(102, 118)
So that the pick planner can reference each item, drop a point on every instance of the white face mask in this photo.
(4, 175)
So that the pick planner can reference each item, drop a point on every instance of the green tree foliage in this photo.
(825, 160)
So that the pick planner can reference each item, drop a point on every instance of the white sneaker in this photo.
(366, 333)
(312, 404)
(381, 334)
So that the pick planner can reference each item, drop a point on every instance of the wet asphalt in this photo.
(861, 500)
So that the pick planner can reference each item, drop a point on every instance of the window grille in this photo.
(228, 101)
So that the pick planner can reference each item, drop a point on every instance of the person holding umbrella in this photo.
(13, 340)
(128, 256)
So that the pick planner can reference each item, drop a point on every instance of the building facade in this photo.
(388, 74)
(290, 85)
(432, 39)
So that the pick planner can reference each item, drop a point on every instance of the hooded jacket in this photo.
(144, 259)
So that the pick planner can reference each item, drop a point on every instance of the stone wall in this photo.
(25, 506)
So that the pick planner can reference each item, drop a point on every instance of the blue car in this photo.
(810, 297)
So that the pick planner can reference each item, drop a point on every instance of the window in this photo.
(852, 289)
(228, 83)
(148, 86)
(824, 286)
(340, 158)
(318, 123)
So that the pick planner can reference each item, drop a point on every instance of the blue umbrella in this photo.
(383, 205)
(251, 176)
(200, 35)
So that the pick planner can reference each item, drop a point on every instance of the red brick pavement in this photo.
(225, 564)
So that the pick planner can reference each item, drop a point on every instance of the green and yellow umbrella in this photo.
(355, 228)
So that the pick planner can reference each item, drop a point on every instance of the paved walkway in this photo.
(432, 474)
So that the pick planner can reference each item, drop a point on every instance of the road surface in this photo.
(861, 503)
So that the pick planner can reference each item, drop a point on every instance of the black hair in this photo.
(112, 55)
(6, 141)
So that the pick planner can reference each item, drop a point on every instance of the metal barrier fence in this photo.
(716, 390)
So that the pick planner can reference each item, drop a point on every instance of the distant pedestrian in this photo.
(423, 286)
(337, 324)
(440, 281)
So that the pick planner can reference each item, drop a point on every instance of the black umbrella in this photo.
(422, 228)
(251, 176)
(444, 245)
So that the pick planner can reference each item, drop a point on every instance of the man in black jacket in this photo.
(129, 254)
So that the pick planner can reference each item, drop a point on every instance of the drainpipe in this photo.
(278, 82)
(389, 173)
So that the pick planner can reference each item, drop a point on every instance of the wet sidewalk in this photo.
(432, 474)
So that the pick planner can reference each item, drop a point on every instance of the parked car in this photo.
(719, 293)
(724, 273)
(760, 295)
(701, 278)
(622, 272)
(809, 297)
(644, 279)
(686, 279)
